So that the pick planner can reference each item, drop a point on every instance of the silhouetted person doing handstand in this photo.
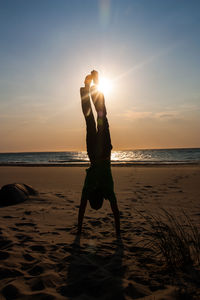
(98, 183)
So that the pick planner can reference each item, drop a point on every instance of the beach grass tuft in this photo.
(175, 239)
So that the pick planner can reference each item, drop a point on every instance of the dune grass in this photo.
(175, 239)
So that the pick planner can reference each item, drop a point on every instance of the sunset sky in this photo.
(150, 49)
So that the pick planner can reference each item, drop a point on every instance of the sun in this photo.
(105, 85)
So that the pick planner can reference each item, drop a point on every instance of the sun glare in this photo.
(105, 85)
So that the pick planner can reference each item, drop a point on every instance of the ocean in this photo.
(147, 156)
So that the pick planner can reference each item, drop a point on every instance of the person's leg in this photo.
(104, 146)
(91, 133)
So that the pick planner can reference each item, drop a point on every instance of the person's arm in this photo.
(81, 212)
(115, 210)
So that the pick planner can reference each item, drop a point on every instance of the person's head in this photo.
(96, 198)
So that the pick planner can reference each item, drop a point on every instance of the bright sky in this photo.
(150, 49)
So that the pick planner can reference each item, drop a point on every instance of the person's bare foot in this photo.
(88, 81)
(95, 77)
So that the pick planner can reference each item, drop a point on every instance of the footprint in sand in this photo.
(138, 231)
(9, 273)
(154, 286)
(63, 228)
(36, 270)
(28, 257)
(24, 238)
(25, 224)
(106, 219)
(139, 249)
(139, 279)
(38, 248)
(55, 247)
(10, 292)
(5, 243)
(4, 255)
(133, 200)
(95, 222)
(60, 195)
(16, 229)
(55, 233)
(105, 233)
(27, 266)
(88, 217)
(37, 284)
(44, 296)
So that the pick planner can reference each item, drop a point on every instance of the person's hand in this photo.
(88, 80)
(95, 76)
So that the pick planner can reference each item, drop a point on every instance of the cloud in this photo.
(163, 115)
(131, 114)
(168, 115)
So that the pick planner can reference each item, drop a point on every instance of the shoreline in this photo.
(125, 164)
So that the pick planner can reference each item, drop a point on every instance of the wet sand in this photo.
(42, 258)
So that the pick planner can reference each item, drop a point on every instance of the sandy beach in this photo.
(42, 258)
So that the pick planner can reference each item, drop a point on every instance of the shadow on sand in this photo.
(94, 272)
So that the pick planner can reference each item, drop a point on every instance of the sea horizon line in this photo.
(75, 150)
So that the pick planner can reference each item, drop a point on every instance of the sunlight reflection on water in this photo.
(147, 156)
